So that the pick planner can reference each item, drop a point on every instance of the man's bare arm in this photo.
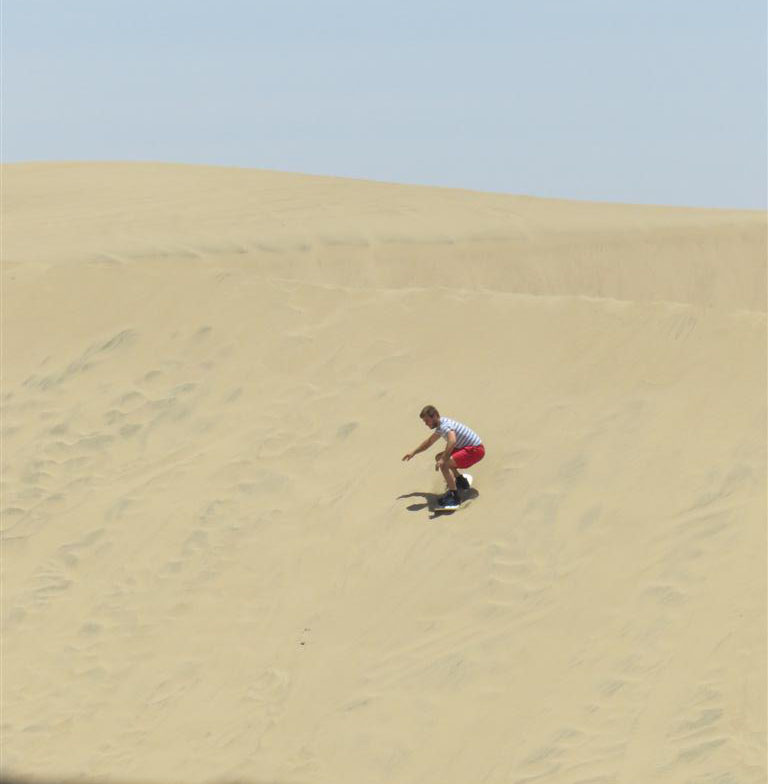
(424, 445)
(450, 444)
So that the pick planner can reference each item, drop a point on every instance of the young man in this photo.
(463, 448)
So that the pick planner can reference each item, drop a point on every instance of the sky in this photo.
(641, 101)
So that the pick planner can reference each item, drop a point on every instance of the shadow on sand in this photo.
(430, 502)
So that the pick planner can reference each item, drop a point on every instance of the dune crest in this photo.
(215, 565)
(367, 234)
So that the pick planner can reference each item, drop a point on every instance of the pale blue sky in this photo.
(650, 101)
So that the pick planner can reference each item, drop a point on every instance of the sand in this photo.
(215, 565)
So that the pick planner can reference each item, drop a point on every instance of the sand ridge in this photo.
(215, 565)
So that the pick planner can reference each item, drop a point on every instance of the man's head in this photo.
(430, 416)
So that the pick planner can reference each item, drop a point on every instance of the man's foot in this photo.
(449, 501)
(461, 482)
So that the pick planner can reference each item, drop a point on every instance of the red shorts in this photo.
(468, 455)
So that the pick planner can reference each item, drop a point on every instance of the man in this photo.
(463, 448)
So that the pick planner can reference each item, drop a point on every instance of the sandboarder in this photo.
(463, 448)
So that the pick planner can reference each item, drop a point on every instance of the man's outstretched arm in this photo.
(421, 447)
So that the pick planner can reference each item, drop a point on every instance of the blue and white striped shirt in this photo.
(464, 436)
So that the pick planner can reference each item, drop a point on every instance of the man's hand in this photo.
(408, 456)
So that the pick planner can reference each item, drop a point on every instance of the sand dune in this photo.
(216, 566)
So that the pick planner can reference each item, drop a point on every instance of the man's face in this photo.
(431, 421)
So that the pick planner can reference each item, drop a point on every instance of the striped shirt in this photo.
(464, 436)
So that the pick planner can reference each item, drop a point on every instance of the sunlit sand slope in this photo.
(216, 566)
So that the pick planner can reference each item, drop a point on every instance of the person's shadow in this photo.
(430, 502)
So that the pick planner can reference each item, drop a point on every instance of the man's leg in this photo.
(449, 472)
(453, 466)
(459, 458)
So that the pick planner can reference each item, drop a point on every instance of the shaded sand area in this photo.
(216, 567)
